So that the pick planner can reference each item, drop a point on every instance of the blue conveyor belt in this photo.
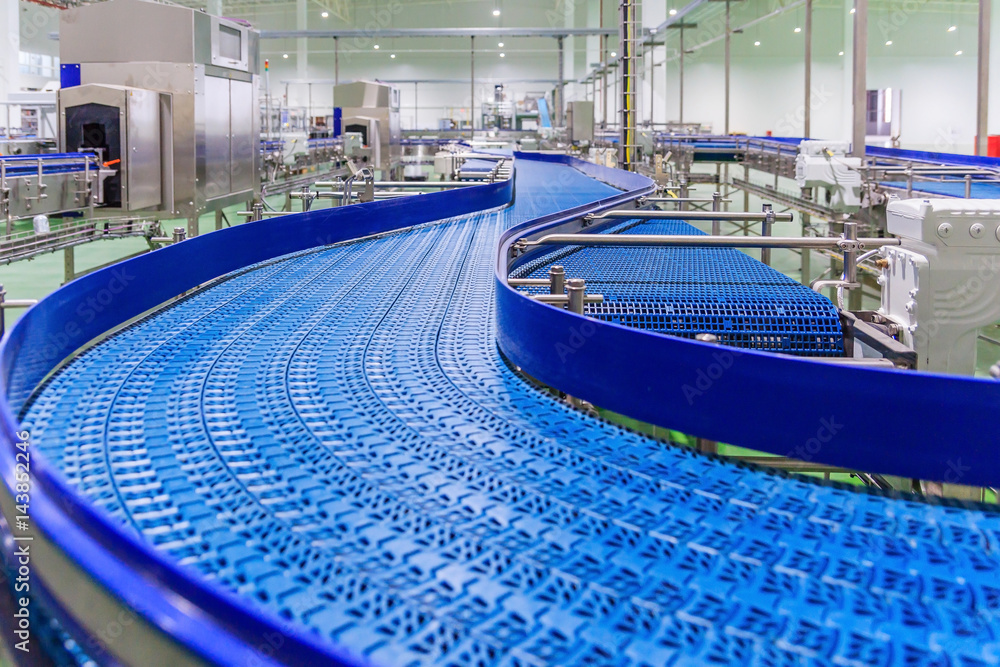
(954, 188)
(688, 291)
(334, 436)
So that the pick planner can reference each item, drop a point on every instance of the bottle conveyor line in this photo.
(324, 458)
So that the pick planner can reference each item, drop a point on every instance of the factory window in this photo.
(38, 64)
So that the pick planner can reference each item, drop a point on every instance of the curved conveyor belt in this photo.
(334, 452)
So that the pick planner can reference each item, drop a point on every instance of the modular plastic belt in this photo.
(688, 291)
(335, 437)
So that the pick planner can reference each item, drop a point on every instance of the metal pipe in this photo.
(666, 240)
(564, 299)
(693, 215)
(403, 185)
(684, 200)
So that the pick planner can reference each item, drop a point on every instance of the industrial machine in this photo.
(580, 122)
(942, 285)
(826, 165)
(371, 110)
(43, 185)
(126, 93)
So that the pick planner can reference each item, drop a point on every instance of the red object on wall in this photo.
(993, 145)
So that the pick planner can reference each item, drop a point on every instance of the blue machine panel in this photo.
(69, 75)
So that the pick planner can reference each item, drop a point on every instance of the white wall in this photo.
(767, 81)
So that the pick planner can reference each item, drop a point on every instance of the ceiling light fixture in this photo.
(958, 53)
(756, 43)
(889, 43)
(500, 45)
(376, 47)
(325, 15)
(953, 28)
(503, 55)
(284, 55)
(614, 55)
(673, 12)
(841, 53)
(393, 56)
(798, 30)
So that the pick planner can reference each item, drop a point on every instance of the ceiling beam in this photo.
(385, 33)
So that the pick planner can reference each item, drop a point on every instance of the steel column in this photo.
(729, 39)
(860, 86)
(336, 61)
(680, 81)
(807, 117)
(472, 87)
(560, 86)
(628, 67)
(983, 87)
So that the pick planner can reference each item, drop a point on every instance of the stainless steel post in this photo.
(576, 289)
(765, 230)
(716, 224)
(850, 254)
(557, 280)
(860, 86)
(180, 234)
(336, 63)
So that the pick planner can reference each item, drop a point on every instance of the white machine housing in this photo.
(825, 164)
(943, 283)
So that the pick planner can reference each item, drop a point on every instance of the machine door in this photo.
(98, 128)
(218, 151)
(243, 144)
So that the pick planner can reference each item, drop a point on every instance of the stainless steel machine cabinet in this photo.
(206, 69)
(372, 109)
(580, 122)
